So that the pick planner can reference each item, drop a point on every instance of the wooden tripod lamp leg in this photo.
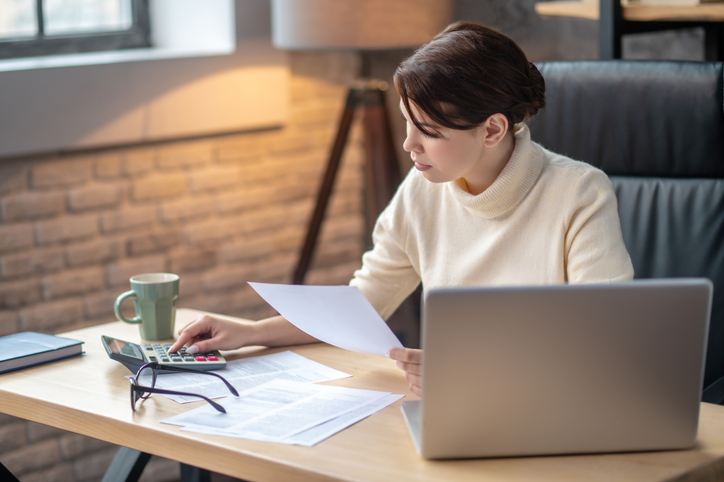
(382, 172)
(325, 190)
(381, 166)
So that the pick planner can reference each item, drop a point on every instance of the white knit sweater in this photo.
(546, 219)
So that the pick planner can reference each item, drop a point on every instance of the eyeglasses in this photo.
(142, 392)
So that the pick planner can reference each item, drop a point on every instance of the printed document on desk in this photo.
(247, 373)
(286, 412)
(338, 315)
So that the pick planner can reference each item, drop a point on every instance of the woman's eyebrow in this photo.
(423, 124)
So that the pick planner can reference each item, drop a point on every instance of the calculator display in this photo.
(120, 347)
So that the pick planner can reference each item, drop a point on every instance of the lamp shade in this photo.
(357, 24)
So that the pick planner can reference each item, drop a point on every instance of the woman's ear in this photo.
(494, 129)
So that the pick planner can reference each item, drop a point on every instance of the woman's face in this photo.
(454, 154)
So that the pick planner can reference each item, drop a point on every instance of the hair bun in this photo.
(537, 89)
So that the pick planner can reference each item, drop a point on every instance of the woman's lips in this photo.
(421, 167)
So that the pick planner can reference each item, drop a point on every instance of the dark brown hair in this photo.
(466, 74)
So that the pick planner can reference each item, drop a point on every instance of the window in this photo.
(30, 28)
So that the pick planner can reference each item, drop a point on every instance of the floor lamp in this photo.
(361, 26)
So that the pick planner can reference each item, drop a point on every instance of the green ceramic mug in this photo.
(154, 297)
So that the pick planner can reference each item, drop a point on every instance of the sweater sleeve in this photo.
(387, 275)
(594, 247)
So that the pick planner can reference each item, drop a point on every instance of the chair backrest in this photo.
(657, 129)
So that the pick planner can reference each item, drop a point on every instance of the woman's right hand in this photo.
(208, 333)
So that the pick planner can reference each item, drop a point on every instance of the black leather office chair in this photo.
(657, 129)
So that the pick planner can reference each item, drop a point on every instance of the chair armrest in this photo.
(714, 393)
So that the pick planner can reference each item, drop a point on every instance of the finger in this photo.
(415, 368)
(416, 389)
(204, 346)
(183, 338)
(413, 379)
(409, 355)
(191, 332)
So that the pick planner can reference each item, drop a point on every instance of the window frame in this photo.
(137, 36)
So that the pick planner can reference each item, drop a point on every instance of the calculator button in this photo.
(189, 358)
(152, 358)
(147, 346)
(176, 358)
(212, 358)
(200, 358)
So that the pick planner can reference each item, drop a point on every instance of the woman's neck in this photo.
(496, 159)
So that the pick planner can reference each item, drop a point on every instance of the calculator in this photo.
(133, 356)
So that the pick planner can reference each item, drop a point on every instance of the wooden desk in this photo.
(89, 395)
(618, 18)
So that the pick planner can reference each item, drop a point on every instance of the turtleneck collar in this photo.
(511, 185)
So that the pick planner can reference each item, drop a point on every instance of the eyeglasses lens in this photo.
(146, 377)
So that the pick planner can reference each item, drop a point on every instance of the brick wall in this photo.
(219, 211)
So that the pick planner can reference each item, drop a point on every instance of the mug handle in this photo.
(117, 308)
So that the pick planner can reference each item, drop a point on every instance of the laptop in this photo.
(564, 369)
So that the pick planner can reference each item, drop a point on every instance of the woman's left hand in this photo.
(409, 360)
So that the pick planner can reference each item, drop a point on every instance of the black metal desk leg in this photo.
(6, 475)
(610, 26)
(127, 466)
(190, 473)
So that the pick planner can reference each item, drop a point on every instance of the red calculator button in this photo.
(200, 358)
(212, 358)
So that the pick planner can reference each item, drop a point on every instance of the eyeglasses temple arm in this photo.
(188, 370)
(172, 392)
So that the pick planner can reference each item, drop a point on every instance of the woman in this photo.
(484, 205)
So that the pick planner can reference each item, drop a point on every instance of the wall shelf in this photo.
(617, 19)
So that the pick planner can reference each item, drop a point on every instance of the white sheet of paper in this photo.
(314, 435)
(247, 373)
(338, 315)
(276, 411)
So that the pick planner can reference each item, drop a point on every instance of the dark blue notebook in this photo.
(28, 348)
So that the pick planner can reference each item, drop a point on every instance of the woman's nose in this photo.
(410, 144)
